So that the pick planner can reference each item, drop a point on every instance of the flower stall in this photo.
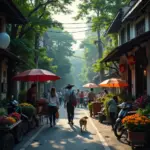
(29, 111)
(10, 129)
(137, 126)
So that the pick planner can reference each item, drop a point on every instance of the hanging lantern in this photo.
(131, 60)
(122, 68)
(4, 37)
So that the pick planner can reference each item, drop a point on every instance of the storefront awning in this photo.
(10, 55)
(126, 47)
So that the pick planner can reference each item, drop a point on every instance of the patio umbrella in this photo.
(36, 75)
(90, 85)
(114, 83)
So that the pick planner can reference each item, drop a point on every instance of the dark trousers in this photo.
(112, 118)
(70, 112)
(52, 114)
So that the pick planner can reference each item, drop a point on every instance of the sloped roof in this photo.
(11, 12)
(126, 47)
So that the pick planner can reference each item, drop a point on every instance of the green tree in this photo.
(100, 13)
(59, 45)
(24, 39)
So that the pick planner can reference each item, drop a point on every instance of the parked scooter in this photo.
(126, 109)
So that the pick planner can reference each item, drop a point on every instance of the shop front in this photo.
(137, 73)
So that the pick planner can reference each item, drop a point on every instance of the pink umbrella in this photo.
(36, 75)
(90, 85)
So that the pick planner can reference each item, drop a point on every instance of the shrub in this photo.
(3, 112)
(90, 106)
(22, 96)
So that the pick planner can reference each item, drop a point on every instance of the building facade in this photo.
(132, 24)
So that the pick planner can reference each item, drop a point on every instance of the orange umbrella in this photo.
(114, 83)
(90, 85)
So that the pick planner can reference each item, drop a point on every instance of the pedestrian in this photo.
(91, 96)
(70, 103)
(78, 97)
(112, 109)
(81, 98)
(31, 94)
(53, 106)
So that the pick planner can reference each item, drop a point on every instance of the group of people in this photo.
(71, 100)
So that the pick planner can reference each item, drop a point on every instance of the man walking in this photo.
(70, 103)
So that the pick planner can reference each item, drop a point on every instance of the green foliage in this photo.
(145, 112)
(3, 112)
(90, 106)
(28, 111)
(59, 47)
(22, 97)
(23, 37)
(90, 55)
(101, 13)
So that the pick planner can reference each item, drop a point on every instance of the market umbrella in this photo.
(36, 75)
(90, 85)
(114, 83)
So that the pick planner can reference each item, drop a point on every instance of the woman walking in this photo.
(53, 106)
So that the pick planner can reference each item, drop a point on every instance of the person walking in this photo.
(78, 97)
(112, 109)
(70, 103)
(81, 98)
(53, 106)
(91, 96)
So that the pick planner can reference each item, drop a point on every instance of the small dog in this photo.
(83, 122)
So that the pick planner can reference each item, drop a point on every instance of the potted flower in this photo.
(137, 125)
(28, 109)
(16, 116)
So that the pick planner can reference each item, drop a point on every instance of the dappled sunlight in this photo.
(35, 144)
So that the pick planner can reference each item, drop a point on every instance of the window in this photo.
(123, 36)
(140, 27)
(128, 32)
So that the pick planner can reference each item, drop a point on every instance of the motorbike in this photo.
(119, 128)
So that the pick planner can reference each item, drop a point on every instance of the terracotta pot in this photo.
(136, 137)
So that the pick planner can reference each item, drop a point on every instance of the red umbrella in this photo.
(36, 75)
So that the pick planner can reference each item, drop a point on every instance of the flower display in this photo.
(136, 123)
(122, 68)
(28, 109)
(131, 60)
(25, 104)
(10, 120)
(16, 116)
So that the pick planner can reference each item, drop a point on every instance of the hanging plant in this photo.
(122, 68)
(131, 60)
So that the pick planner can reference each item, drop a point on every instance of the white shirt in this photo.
(54, 101)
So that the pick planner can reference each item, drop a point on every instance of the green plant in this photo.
(28, 111)
(3, 112)
(145, 112)
(22, 96)
(90, 106)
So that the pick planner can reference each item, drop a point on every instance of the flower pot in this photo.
(136, 137)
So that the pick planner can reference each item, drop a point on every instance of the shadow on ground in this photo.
(69, 138)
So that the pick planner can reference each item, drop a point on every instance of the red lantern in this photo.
(131, 60)
(122, 68)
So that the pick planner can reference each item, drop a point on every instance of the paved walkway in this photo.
(65, 137)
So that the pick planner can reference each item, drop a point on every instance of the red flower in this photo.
(15, 115)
